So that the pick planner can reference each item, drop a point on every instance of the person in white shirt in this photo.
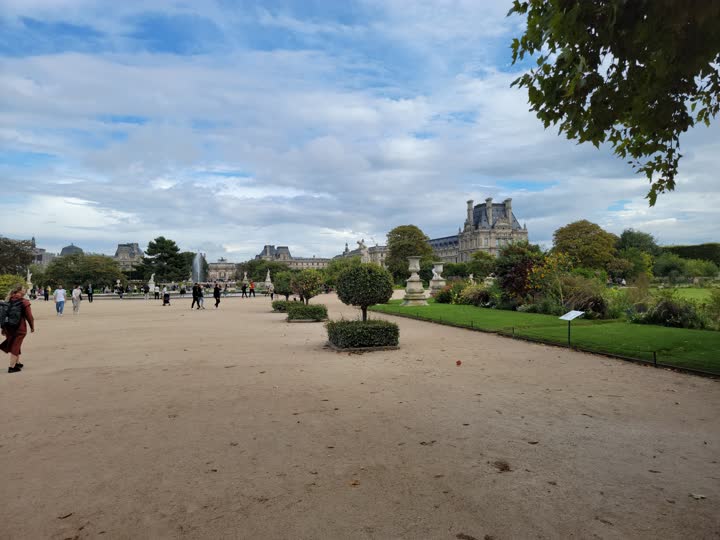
(157, 292)
(59, 297)
(76, 298)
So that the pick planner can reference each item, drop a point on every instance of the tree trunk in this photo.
(364, 312)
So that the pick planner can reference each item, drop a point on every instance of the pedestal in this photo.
(414, 292)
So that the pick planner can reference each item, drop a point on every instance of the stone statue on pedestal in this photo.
(437, 282)
(268, 281)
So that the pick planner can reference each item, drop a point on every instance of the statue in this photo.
(152, 278)
(268, 281)
(364, 252)
(437, 283)
(29, 278)
(472, 279)
(245, 278)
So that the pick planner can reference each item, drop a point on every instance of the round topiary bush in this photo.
(364, 286)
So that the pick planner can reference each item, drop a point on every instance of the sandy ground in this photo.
(137, 421)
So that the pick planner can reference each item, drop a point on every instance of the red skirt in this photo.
(12, 343)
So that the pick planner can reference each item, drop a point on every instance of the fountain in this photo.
(197, 268)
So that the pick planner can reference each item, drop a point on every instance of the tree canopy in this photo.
(307, 283)
(15, 256)
(364, 285)
(406, 241)
(645, 242)
(586, 243)
(336, 266)
(82, 269)
(257, 269)
(636, 74)
(164, 259)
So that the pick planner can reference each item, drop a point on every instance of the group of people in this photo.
(198, 296)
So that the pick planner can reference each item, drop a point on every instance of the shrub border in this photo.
(334, 347)
(500, 333)
(305, 320)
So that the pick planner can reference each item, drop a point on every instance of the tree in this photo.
(403, 242)
(364, 285)
(257, 269)
(513, 268)
(282, 281)
(307, 283)
(15, 256)
(8, 282)
(630, 263)
(587, 243)
(163, 258)
(669, 265)
(456, 270)
(81, 269)
(635, 74)
(481, 264)
(644, 242)
(337, 266)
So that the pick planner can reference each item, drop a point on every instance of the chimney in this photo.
(508, 209)
(470, 212)
(488, 210)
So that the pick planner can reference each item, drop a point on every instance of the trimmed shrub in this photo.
(306, 284)
(356, 334)
(364, 285)
(671, 312)
(280, 305)
(300, 311)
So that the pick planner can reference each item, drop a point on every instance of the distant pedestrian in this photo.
(182, 291)
(90, 292)
(201, 298)
(195, 296)
(157, 292)
(166, 297)
(146, 290)
(225, 290)
(15, 334)
(271, 290)
(216, 295)
(244, 291)
(76, 298)
(46, 293)
(59, 297)
(252, 289)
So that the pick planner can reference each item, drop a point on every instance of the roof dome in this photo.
(70, 250)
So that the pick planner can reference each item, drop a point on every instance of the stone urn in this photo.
(437, 282)
(414, 292)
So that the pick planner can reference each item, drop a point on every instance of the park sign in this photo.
(571, 316)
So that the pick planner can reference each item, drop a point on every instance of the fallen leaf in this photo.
(697, 497)
(70, 514)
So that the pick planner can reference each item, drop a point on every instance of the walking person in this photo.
(195, 296)
(244, 291)
(216, 295)
(157, 292)
(90, 291)
(76, 298)
(271, 290)
(46, 293)
(252, 289)
(59, 297)
(201, 298)
(166, 297)
(146, 290)
(15, 332)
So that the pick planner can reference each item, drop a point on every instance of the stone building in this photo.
(222, 270)
(282, 254)
(488, 227)
(128, 256)
(41, 256)
(375, 254)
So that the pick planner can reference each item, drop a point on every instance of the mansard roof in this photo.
(498, 212)
(444, 242)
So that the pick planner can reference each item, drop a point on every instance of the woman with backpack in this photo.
(19, 315)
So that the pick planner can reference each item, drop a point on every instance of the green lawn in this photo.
(697, 349)
(688, 293)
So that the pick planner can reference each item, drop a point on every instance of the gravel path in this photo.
(138, 421)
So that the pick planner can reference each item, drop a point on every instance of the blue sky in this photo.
(230, 124)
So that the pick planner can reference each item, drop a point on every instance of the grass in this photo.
(693, 349)
(688, 293)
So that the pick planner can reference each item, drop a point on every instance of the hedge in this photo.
(280, 305)
(706, 252)
(300, 311)
(357, 334)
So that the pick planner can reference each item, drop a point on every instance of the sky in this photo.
(230, 124)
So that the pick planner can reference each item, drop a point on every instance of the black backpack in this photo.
(11, 313)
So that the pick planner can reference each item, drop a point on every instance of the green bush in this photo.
(474, 295)
(307, 283)
(7, 282)
(280, 305)
(300, 311)
(364, 285)
(356, 334)
(671, 312)
(711, 309)
(449, 294)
